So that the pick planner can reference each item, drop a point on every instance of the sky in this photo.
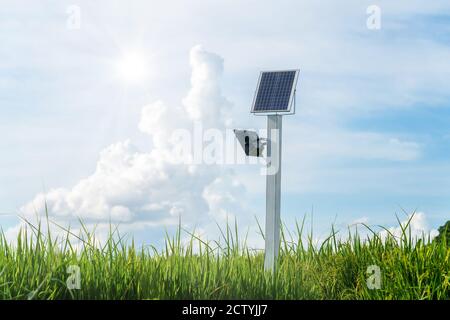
(91, 94)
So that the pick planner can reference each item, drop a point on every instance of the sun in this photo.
(132, 67)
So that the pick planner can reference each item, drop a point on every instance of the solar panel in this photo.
(275, 91)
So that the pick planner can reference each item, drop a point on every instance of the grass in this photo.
(35, 267)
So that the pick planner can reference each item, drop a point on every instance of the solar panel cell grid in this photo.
(274, 91)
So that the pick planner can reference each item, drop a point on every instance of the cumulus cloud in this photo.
(418, 228)
(205, 101)
(361, 220)
(415, 224)
(132, 187)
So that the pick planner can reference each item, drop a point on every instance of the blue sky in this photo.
(371, 135)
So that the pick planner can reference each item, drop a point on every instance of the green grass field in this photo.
(36, 268)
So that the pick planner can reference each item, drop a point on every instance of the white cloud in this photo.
(205, 101)
(415, 224)
(418, 228)
(362, 220)
(130, 186)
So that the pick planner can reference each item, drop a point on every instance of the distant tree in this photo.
(444, 233)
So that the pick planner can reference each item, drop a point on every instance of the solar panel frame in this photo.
(291, 97)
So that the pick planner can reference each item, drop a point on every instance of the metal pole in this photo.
(273, 191)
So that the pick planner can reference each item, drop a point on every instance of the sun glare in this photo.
(132, 67)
